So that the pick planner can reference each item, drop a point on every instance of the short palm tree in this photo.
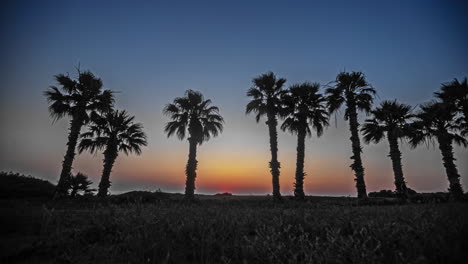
(195, 115)
(80, 183)
(266, 101)
(352, 89)
(436, 120)
(392, 120)
(112, 132)
(76, 99)
(456, 93)
(305, 108)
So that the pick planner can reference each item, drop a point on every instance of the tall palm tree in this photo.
(195, 115)
(391, 120)
(436, 120)
(114, 132)
(77, 99)
(304, 108)
(352, 89)
(456, 93)
(266, 101)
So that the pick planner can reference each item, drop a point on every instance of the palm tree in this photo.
(436, 120)
(305, 108)
(195, 115)
(80, 183)
(456, 93)
(113, 131)
(353, 90)
(76, 99)
(390, 120)
(266, 96)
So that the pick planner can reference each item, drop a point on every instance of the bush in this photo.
(15, 185)
(383, 194)
(80, 184)
(223, 194)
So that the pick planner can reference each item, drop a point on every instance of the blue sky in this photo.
(152, 51)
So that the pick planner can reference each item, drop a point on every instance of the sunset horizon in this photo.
(211, 131)
(149, 57)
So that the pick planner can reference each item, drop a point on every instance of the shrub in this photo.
(15, 185)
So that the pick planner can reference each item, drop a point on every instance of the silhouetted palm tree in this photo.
(113, 131)
(304, 108)
(353, 90)
(77, 99)
(391, 120)
(456, 93)
(436, 120)
(195, 115)
(266, 96)
(80, 183)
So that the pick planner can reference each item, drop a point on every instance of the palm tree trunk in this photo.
(445, 146)
(299, 185)
(356, 146)
(191, 169)
(274, 164)
(395, 156)
(64, 181)
(110, 155)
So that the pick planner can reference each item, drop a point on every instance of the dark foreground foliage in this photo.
(19, 186)
(163, 228)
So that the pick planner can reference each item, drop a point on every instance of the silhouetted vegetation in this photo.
(436, 120)
(391, 194)
(16, 185)
(195, 115)
(266, 94)
(114, 132)
(223, 194)
(234, 230)
(392, 120)
(77, 99)
(158, 227)
(352, 89)
(304, 107)
(455, 93)
(80, 185)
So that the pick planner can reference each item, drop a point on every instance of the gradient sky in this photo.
(152, 51)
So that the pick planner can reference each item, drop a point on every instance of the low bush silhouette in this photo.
(223, 194)
(16, 185)
(80, 185)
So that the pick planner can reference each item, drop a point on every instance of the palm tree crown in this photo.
(456, 93)
(266, 95)
(390, 118)
(116, 129)
(436, 119)
(195, 115)
(78, 97)
(351, 89)
(305, 108)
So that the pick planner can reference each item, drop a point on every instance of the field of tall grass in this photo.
(165, 229)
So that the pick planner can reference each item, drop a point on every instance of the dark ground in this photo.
(143, 227)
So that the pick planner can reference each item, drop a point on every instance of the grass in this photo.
(234, 229)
